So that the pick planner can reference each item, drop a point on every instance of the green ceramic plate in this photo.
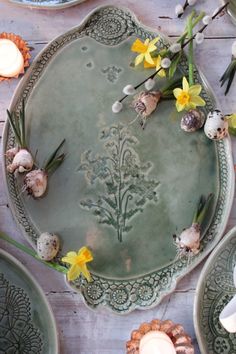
(47, 4)
(26, 320)
(215, 289)
(122, 190)
(232, 10)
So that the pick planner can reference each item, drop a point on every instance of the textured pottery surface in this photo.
(26, 322)
(47, 4)
(232, 10)
(215, 289)
(122, 191)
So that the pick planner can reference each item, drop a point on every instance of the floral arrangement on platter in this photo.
(48, 246)
(22, 160)
(188, 97)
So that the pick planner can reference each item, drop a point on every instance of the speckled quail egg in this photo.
(192, 120)
(216, 126)
(48, 246)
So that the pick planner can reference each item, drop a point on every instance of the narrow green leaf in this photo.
(174, 65)
(53, 155)
(14, 128)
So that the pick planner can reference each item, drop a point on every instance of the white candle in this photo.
(156, 342)
(11, 59)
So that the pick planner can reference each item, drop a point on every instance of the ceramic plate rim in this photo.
(36, 6)
(200, 286)
(228, 149)
(39, 290)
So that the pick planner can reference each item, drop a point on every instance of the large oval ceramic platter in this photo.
(214, 291)
(47, 4)
(26, 321)
(122, 190)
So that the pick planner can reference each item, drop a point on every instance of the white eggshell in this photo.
(48, 246)
(228, 316)
(216, 127)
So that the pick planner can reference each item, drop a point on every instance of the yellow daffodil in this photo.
(232, 120)
(144, 49)
(156, 64)
(188, 97)
(78, 263)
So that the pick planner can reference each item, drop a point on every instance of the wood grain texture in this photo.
(81, 330)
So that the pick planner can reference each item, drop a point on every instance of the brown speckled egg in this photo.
(216, 126)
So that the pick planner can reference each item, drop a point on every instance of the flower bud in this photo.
(179, 10)
(234, 50)
(192, 2)
(149, 84)
(117, 107)
(165, 63)
(199, 38)
(207, 20)
(175, 48)
(129, 90)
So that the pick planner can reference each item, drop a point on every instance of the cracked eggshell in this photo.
(48, 246)
(216, 127)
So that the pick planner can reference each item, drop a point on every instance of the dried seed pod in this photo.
(173, 333)
(192, 120)
(35, 183)
(145, 103)
(22, 161)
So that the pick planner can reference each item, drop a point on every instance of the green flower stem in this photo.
(194, 23)
(190, 50)
(182, 38)
(32, 253)
(174, 55)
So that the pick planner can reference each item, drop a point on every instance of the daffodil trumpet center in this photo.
(183, 98)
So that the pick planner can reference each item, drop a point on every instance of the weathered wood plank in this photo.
(35, 24)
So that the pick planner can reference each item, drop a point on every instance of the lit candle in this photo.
(11, 59)
(156, 342)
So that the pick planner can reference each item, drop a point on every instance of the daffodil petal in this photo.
(179, 106)
(138, 46)
(185, 84)
(85, 272)
(197, 100)
(148, 65)
(139, 59)
(162, 73)
(146, 42)
(151, 48)
(154, 41)
(73, 272)
(148, 58)
(85, 255)
(195, 90)
(70, 257)
(177, 92)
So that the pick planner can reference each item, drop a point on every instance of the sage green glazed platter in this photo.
(47, 4)
(232, 10)
(157, 174)
(26, 321)
(215, 289)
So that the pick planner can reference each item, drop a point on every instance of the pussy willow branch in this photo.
(175, 55)
(184, 8)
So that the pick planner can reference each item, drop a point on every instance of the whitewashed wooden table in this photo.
(82, 331)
